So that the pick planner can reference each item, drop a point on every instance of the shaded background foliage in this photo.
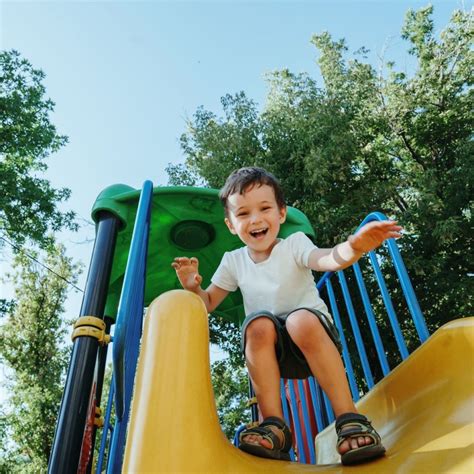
(28, 203)
(31, 325)
(363, 141)
(31, 348)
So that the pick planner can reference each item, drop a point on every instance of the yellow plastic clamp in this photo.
(98, 419)
(92, 327)
(252, 424)
(252, 401)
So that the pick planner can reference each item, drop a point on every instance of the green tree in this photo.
(32, 349)
(230, 387)
(396, 142)
(363, 141)
(28, 203)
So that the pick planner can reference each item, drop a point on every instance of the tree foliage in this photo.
(31, 348)
(363, 141)
(28, 202)
(230, 387)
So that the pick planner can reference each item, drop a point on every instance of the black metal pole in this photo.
(253, 406)
(67, 442)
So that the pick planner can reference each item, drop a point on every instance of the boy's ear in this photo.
(229, 225)
(283, 211)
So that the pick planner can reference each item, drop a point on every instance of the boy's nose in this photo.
(255, 217)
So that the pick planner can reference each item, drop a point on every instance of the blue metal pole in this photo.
(404, 279)
(307, 422)
(103, 442)
(371, 319)
(345, 351)
(286, 411)
(355, 329)
(296, 422)
(130, 308)
(389, 306)
(408, 291)
(133, 265)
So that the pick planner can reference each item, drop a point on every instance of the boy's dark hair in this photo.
(239, 181)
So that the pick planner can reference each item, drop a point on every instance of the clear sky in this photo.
(125, 75)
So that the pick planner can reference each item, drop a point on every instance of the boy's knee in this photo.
(305, 328)
(261, 330)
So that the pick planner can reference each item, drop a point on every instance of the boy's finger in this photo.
(194, 260)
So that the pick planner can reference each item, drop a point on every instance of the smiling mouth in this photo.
(258, 233)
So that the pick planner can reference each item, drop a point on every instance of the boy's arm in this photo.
(343, 255)
(212, 296)
(190, 279)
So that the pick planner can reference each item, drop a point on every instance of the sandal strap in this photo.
(347, 418)
(267, 433)
(281, 424)
(352, 425)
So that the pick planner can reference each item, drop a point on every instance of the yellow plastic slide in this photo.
(424, 409)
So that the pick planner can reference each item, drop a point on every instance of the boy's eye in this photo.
(241, 214)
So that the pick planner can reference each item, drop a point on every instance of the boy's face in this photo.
(256, 218)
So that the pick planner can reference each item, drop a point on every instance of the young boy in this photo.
(288, 331)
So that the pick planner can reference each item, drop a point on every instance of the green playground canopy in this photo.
(185, 221)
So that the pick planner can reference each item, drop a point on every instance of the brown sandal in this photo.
(353, 425)
(278, 450)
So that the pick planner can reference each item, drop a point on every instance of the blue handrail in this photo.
(128, 325)
(356, 330)
(405, 282)
(140, 235)
(389, 306)
(320, 401)
(345, 350)
(371, 319)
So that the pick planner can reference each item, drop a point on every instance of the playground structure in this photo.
(166, 419)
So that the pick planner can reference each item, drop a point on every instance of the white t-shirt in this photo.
(280, 284)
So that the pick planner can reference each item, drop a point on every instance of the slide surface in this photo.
(424, 409)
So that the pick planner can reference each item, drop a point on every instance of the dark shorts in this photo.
(291, 360)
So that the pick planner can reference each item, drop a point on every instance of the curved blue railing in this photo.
(128, 326)
(133, 277)
(410, 298)
(320, 403)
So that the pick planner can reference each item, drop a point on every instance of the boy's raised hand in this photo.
(187, 272)
(372, 235)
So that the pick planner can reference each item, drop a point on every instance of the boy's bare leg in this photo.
(326, 364)
(260, 340)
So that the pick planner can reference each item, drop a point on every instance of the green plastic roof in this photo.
(185, 221)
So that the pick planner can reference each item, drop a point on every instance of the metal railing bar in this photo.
(371, 320)
(355, 330)
(389, 306)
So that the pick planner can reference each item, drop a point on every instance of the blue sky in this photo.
(125, 75)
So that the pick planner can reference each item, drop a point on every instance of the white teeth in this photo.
(257, 231)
